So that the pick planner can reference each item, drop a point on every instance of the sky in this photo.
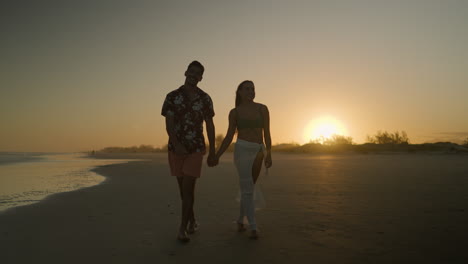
(82, 75)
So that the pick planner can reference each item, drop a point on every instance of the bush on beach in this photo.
(389, 138)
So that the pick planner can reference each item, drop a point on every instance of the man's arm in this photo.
(210, 131)
(229, 134)
(170, 129)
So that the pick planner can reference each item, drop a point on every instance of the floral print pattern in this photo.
(188, 118)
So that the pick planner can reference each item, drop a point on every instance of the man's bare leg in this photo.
(188, 192)
(192, 220)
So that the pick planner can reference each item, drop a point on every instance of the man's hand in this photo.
(180, 149)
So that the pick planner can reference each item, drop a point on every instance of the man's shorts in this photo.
(186, 165)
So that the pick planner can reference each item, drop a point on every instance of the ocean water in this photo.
(27, 178)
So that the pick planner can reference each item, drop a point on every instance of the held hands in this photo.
(212, 160)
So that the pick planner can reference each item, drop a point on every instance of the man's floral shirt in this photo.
(188, 118)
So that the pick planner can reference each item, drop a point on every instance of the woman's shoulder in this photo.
(233, 111)
(262, 106)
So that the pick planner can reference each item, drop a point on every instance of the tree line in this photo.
(335, 142)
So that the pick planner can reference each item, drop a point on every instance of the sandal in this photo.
(253, 235)
(240, 227)
(192, 227)
(183, 237)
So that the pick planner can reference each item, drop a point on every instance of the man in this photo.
(185, 110)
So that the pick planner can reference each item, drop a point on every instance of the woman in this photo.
(252, 122)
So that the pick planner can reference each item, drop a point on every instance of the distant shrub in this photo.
(389, 138)
(334, 140)
(465, 142)
(133, 149)
(337, 140)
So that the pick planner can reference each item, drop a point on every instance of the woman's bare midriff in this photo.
(251, 135)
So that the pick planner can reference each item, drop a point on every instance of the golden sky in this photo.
(92, 74)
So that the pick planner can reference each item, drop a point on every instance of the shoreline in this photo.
(43, 176)
(55, 196)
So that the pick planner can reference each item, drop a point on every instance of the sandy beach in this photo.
(395, 208)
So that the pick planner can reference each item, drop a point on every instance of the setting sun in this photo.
(323, 128)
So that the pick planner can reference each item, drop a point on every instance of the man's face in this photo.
(193, 75)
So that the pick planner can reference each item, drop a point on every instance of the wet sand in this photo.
(398, 208)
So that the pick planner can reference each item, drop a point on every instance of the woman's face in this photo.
(247, 91)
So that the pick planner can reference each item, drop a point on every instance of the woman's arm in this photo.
(229, 134)
(267, 135)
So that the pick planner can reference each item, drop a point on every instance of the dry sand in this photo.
(319, 209)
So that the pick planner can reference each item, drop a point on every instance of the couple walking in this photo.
(185, 109)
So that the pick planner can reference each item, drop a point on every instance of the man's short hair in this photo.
(197, 64)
